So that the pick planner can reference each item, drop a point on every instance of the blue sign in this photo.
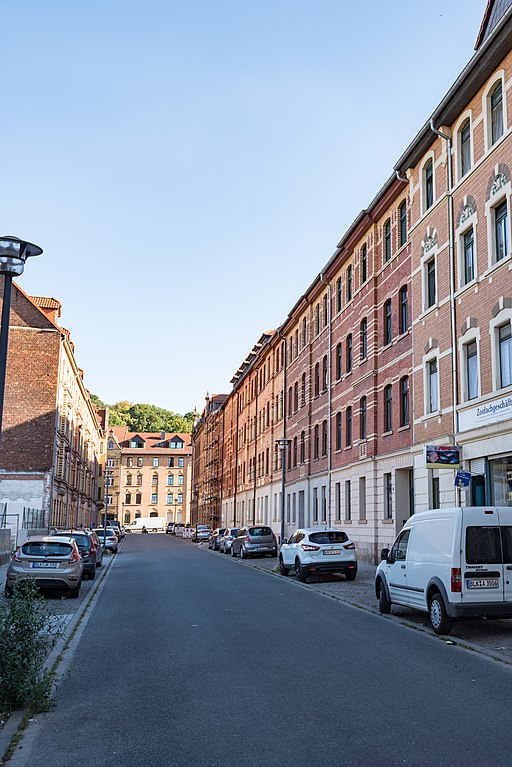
(462, 479)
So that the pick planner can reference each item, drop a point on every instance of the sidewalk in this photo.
(489, 637)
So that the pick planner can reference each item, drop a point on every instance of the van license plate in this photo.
(482, 583)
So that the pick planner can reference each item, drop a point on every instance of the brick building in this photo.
(148, 475)
(49, 454)
(403, 340)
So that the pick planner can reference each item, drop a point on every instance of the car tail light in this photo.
(247, 539)
(16, 557)
(309, 547)
(456, 583)
(349, 546)
(93, 551)
(75, 556)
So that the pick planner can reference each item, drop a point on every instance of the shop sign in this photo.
(442, 456)
(498, 410)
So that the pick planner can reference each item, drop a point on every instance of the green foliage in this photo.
(26, 637)
(96, 401)
(146, 418)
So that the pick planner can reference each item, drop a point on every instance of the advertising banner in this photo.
(442, 456)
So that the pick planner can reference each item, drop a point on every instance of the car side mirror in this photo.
(384, 554)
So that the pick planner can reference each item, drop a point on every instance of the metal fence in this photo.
(18, 521)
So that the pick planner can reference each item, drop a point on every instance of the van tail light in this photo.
(456, 582)
(75, 556)
(349, 546)
(16, 557)
(308, 547)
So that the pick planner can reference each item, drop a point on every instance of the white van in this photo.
(152, 525)
(451, 563)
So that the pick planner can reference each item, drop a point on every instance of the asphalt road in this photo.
(193, 660)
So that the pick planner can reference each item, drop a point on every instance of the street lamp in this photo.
(283, 444)
(13, 254)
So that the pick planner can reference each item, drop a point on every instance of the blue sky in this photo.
(189, 167)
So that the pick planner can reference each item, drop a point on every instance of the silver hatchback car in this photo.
(254, 539)
(53, 562)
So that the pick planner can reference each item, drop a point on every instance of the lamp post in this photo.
(13, 254)
(283, 444)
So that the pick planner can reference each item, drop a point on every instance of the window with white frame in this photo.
(432, 386)
(471, 375)
(496, 113)
(464, 136)
(468, 256)
(155, 462)
(429, 283)
(428, 184)
(500, 214)
(505, 354)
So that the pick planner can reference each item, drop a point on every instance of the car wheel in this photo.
(233, 551)
(300, 574)
(73, 593)
(384, 603)
(282, 569)
(242, 553)
(92, 575)
(350, 576)
(439, 618)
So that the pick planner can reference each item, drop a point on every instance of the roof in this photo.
(46, 303)
(152, 440)
(492, 15)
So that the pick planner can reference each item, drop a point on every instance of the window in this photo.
(316, 442)
(324, 374)
(170, 463)
(317, 379)
(303, 389)
(348, 500)
(180, 479)
(176, 444)
(500, 230)
(128, 479)
(348, 427)
(169, 497)
(302, 446)
(155, 462)
(465, 148)
(388, 408)
(181, 463)
(388, 499)
(180, 498)
(496, 103)
(170, 479)
(339, 361)
(294, 452)
(154, 479)
(364, 264)
(139, 479)
(337, 501)
(140, 461)
(111, 445)
(362, 498)
(364, 339)
(505, 354)
(469, 256)
(404, 309)
(432, 386)
(128, 498)
(428, 185)
(430, 279)
(296, 396)
(349, 353)
(471, 355)
(338, 431)
(387, 322)
(138, 498)
(304, 334)
(402, 223)
(349, 283)
(324, 302)
(324, 438)
(387, 241)
(154, 498)
(404, 401)
(317, 319)
(362, 417)
(338, 294)
(129, 462)
(315, 505)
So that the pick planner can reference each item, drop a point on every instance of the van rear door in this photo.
(482, 560)
(505, 517)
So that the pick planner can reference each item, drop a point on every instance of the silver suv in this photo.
(254, 539)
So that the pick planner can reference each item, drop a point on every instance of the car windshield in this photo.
(329, 536)
(233, 531)
(259, 531)
(46, 549)
(82, 540)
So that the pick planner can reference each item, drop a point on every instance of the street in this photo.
(187, 659)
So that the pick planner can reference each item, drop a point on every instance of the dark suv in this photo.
(254, 539)
(89, 547)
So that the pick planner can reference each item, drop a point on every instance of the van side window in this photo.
(506, 534)
(483, 546)
(399, 550)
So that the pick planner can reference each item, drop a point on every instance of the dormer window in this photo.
(176, 444)
(136, 442)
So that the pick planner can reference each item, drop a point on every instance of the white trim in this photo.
(457, 149)
(486, 107)
(471, 222)
(472, 334)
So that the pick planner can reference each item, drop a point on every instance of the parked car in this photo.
(450, 563)
(89, 547)
(178, 528)
(201, 533)
(310, 551)
(54, 562)
(254, 539)
(170, 528)
(227, 539)
(115, 523)
(213, 540)
(108, 538)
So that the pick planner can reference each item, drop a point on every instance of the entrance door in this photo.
(477, 490)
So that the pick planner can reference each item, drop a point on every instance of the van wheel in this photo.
(439, 618)
(384, 603)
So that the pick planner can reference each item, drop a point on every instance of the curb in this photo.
(15, 723)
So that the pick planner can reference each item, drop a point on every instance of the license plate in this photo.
(482, 583)
(45, 565)
(331, 551)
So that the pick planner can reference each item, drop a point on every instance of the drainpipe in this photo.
(329, 396)
(236, 457)
(448, 140)
(255, 479)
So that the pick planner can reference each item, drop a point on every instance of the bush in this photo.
(26, 637)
